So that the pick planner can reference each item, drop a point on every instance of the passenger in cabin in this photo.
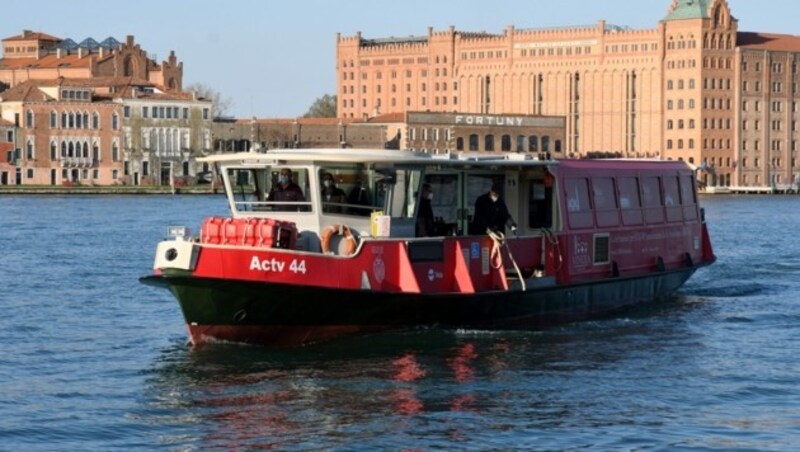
(491, 213)
(425, 215)
(331, 194)
(286, 191)
(358, 197)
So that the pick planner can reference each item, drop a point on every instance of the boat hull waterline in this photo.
(220, 310)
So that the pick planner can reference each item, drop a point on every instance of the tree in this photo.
(323, 107)
(220, 104)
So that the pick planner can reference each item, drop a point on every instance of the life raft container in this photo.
(347, 235)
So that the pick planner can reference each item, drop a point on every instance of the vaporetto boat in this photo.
(590, 237)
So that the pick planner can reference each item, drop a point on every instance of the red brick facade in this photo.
(685, 89)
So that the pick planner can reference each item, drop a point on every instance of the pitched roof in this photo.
(47, 62)
(29, 36)
(6, 123)
(27, 91)
(768, 41)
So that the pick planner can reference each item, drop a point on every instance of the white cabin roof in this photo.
(286, 156)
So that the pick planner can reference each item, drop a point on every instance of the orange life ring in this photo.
(347, 234)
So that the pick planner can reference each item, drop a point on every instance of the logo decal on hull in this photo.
(378, 267)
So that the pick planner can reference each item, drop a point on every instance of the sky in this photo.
(274, 58)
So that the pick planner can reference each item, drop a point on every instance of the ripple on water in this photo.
(91, 359)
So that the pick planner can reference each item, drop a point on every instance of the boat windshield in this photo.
(340, 189)
(279, 188)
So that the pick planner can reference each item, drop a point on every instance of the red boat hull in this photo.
(286, 315)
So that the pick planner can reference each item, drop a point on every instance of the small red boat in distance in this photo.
(326, 243)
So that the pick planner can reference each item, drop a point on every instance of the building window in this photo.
(473, 142)
(505, 143)
(145, 112)
(29, 119)
(29, 150)
(205, 113)
(126, 111)
(114, 121)
(488, 143)
(533, 143)
(53, 120)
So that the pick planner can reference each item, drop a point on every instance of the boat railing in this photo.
(273, 206)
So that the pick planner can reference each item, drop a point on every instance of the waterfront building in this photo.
(7, 153)
(692, 88)
(432, 132)
(261, 134)
(162, 135)
(97, 113)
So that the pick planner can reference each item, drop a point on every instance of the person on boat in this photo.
(331, 194)
(491, 213)
(358, 197)
(425, 214)
(286, 191)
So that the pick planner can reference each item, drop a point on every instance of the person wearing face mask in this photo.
(491, 213)
(286, 191)
(425, 215)
(331, 194)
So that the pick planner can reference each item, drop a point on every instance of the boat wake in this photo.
(729, 291)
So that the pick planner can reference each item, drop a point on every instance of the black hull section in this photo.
(239, 311)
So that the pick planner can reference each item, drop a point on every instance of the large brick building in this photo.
(96, 113)
(693, 88)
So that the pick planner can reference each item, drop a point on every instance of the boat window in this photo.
(651, 199)
(687, 191)
(579, 208)
(281, 189)
(688, 197)
(605, 201)
(672, 198)
(348, 190)
(630, 200)
(671, 193)
(397, 189)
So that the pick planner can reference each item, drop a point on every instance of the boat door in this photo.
(454, 196)
(475, 185)
(447, 202)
